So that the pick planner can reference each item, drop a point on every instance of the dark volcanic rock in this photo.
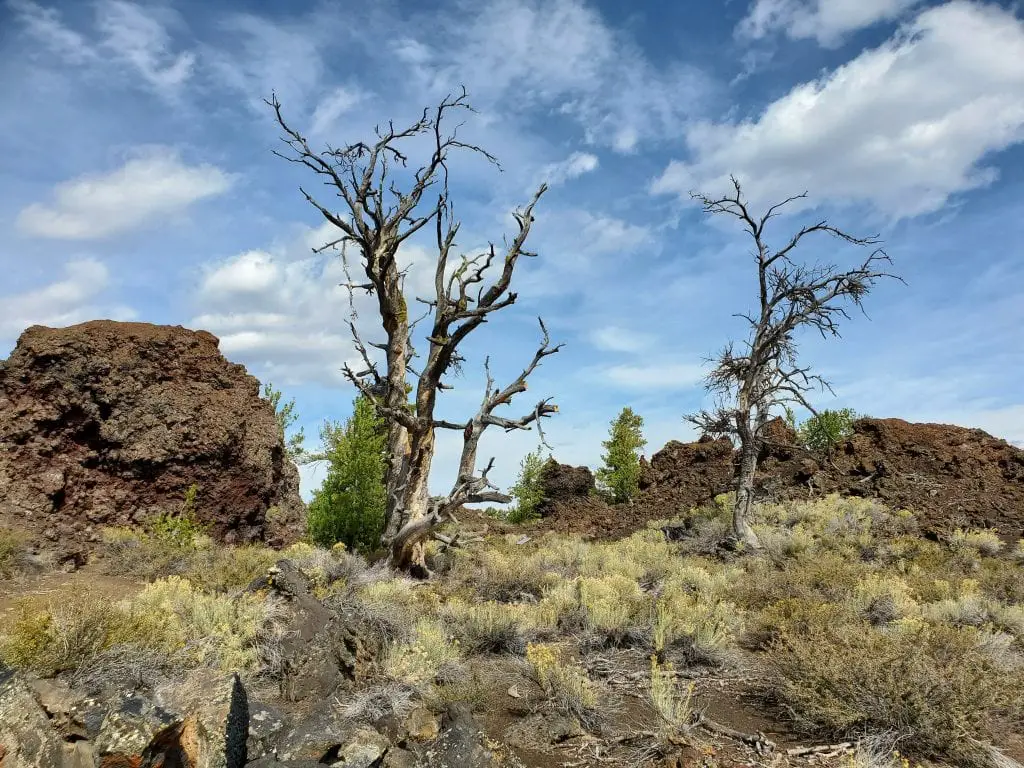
(323, 649)
(563, 483)
(108, 423)
(948, 476)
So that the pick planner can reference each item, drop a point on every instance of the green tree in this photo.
(286, 416)
(527, 492)
(620, 474)
(825, 430)
(349, 506)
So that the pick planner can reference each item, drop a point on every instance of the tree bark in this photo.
(741, 527)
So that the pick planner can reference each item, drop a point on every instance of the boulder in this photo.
(322, 649)
(137, 732)
(109, 423)
(26, 738)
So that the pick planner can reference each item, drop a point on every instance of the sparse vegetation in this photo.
(672, 699)
(823, 431)
(286, 417)
(10, 552)
(865, 629)
(567, 685)
(182, 623)
(181, 529)
(620, 474)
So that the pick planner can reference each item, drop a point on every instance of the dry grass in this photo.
(929, 685)
(170, 620)
(566, 685)
(11, 552)
(424, 656)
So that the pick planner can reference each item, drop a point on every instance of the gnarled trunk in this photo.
(741, 527)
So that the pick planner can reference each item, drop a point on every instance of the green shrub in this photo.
(286, 417)
(935, 685)
(528, 491)
(566, 685)
(180, 529)
(169, 617)
(620, 474)
(349, 507)
(823, 432)
(10, 552)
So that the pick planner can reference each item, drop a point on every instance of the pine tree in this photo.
(286, 416)
(621, 471)
(349, 506)
(527, 491)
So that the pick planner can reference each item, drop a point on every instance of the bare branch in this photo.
(791, 297)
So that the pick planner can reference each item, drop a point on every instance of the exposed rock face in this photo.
(108, 423)
(684, 475)
(948, 476)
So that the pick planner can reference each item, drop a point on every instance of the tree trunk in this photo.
(412, 521)
(741, 527)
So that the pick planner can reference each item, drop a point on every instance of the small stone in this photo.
(422, 724)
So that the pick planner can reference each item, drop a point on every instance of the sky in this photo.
(138, 182)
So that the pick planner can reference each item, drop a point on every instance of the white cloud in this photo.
(255, 56)
(577, 164)
(73, 299)
(250, 272)
(574, 246)
(664, 375)
(127, 34)
(1006, 423)
(153, 184)
(339, 101)
(45, 25)
(827, 21)
(612, 338)
(286, 310)
(903, 127)
(519, 54)
(138, 35)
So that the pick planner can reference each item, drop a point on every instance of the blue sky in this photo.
(138, 182)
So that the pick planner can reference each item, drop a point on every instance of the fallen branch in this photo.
(845, 746)
(757, 740)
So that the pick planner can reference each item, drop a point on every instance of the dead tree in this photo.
(376, 218)
(764, 374)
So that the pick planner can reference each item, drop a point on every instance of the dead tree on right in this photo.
(764, 374)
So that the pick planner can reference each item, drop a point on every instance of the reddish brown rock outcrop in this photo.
(109, 423)
(562, 484)
(949, 476)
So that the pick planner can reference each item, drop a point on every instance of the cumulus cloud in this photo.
(73, 299)
(902, 127)
(826, 21)
(286, 310)
(152, 184)
(127, 35)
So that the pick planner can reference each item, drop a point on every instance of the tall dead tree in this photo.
(376, 218)
(764, 374)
